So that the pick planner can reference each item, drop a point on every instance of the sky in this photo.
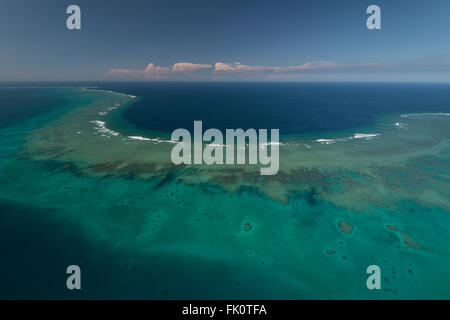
(197, 40)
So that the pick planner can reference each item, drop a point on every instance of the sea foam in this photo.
(100, 126)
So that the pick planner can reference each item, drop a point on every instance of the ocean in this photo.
(86, 179)
(294, 108)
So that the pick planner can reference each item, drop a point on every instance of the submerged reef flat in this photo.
(340, 202)
(371, 167)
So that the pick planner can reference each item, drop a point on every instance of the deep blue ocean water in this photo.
(20, 104)
(294, 108)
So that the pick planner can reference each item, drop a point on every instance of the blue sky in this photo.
(233, 40)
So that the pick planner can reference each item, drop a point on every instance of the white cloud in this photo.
(187, 66)
(311, 66)
(151, 72)
(156, 72)
(238, 67)
(239, 71)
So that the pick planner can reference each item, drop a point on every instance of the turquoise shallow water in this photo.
(168, 237)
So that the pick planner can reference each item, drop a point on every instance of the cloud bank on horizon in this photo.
(239, 71)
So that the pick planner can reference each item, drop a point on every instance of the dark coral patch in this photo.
(345, 227)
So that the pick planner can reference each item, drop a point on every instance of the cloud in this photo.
(156, 72)
(318, 65)
(238, 67)
(316, 70)
(309, 66)
(187, 66)
(238, 71)
(150, 72)
(152, 69)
